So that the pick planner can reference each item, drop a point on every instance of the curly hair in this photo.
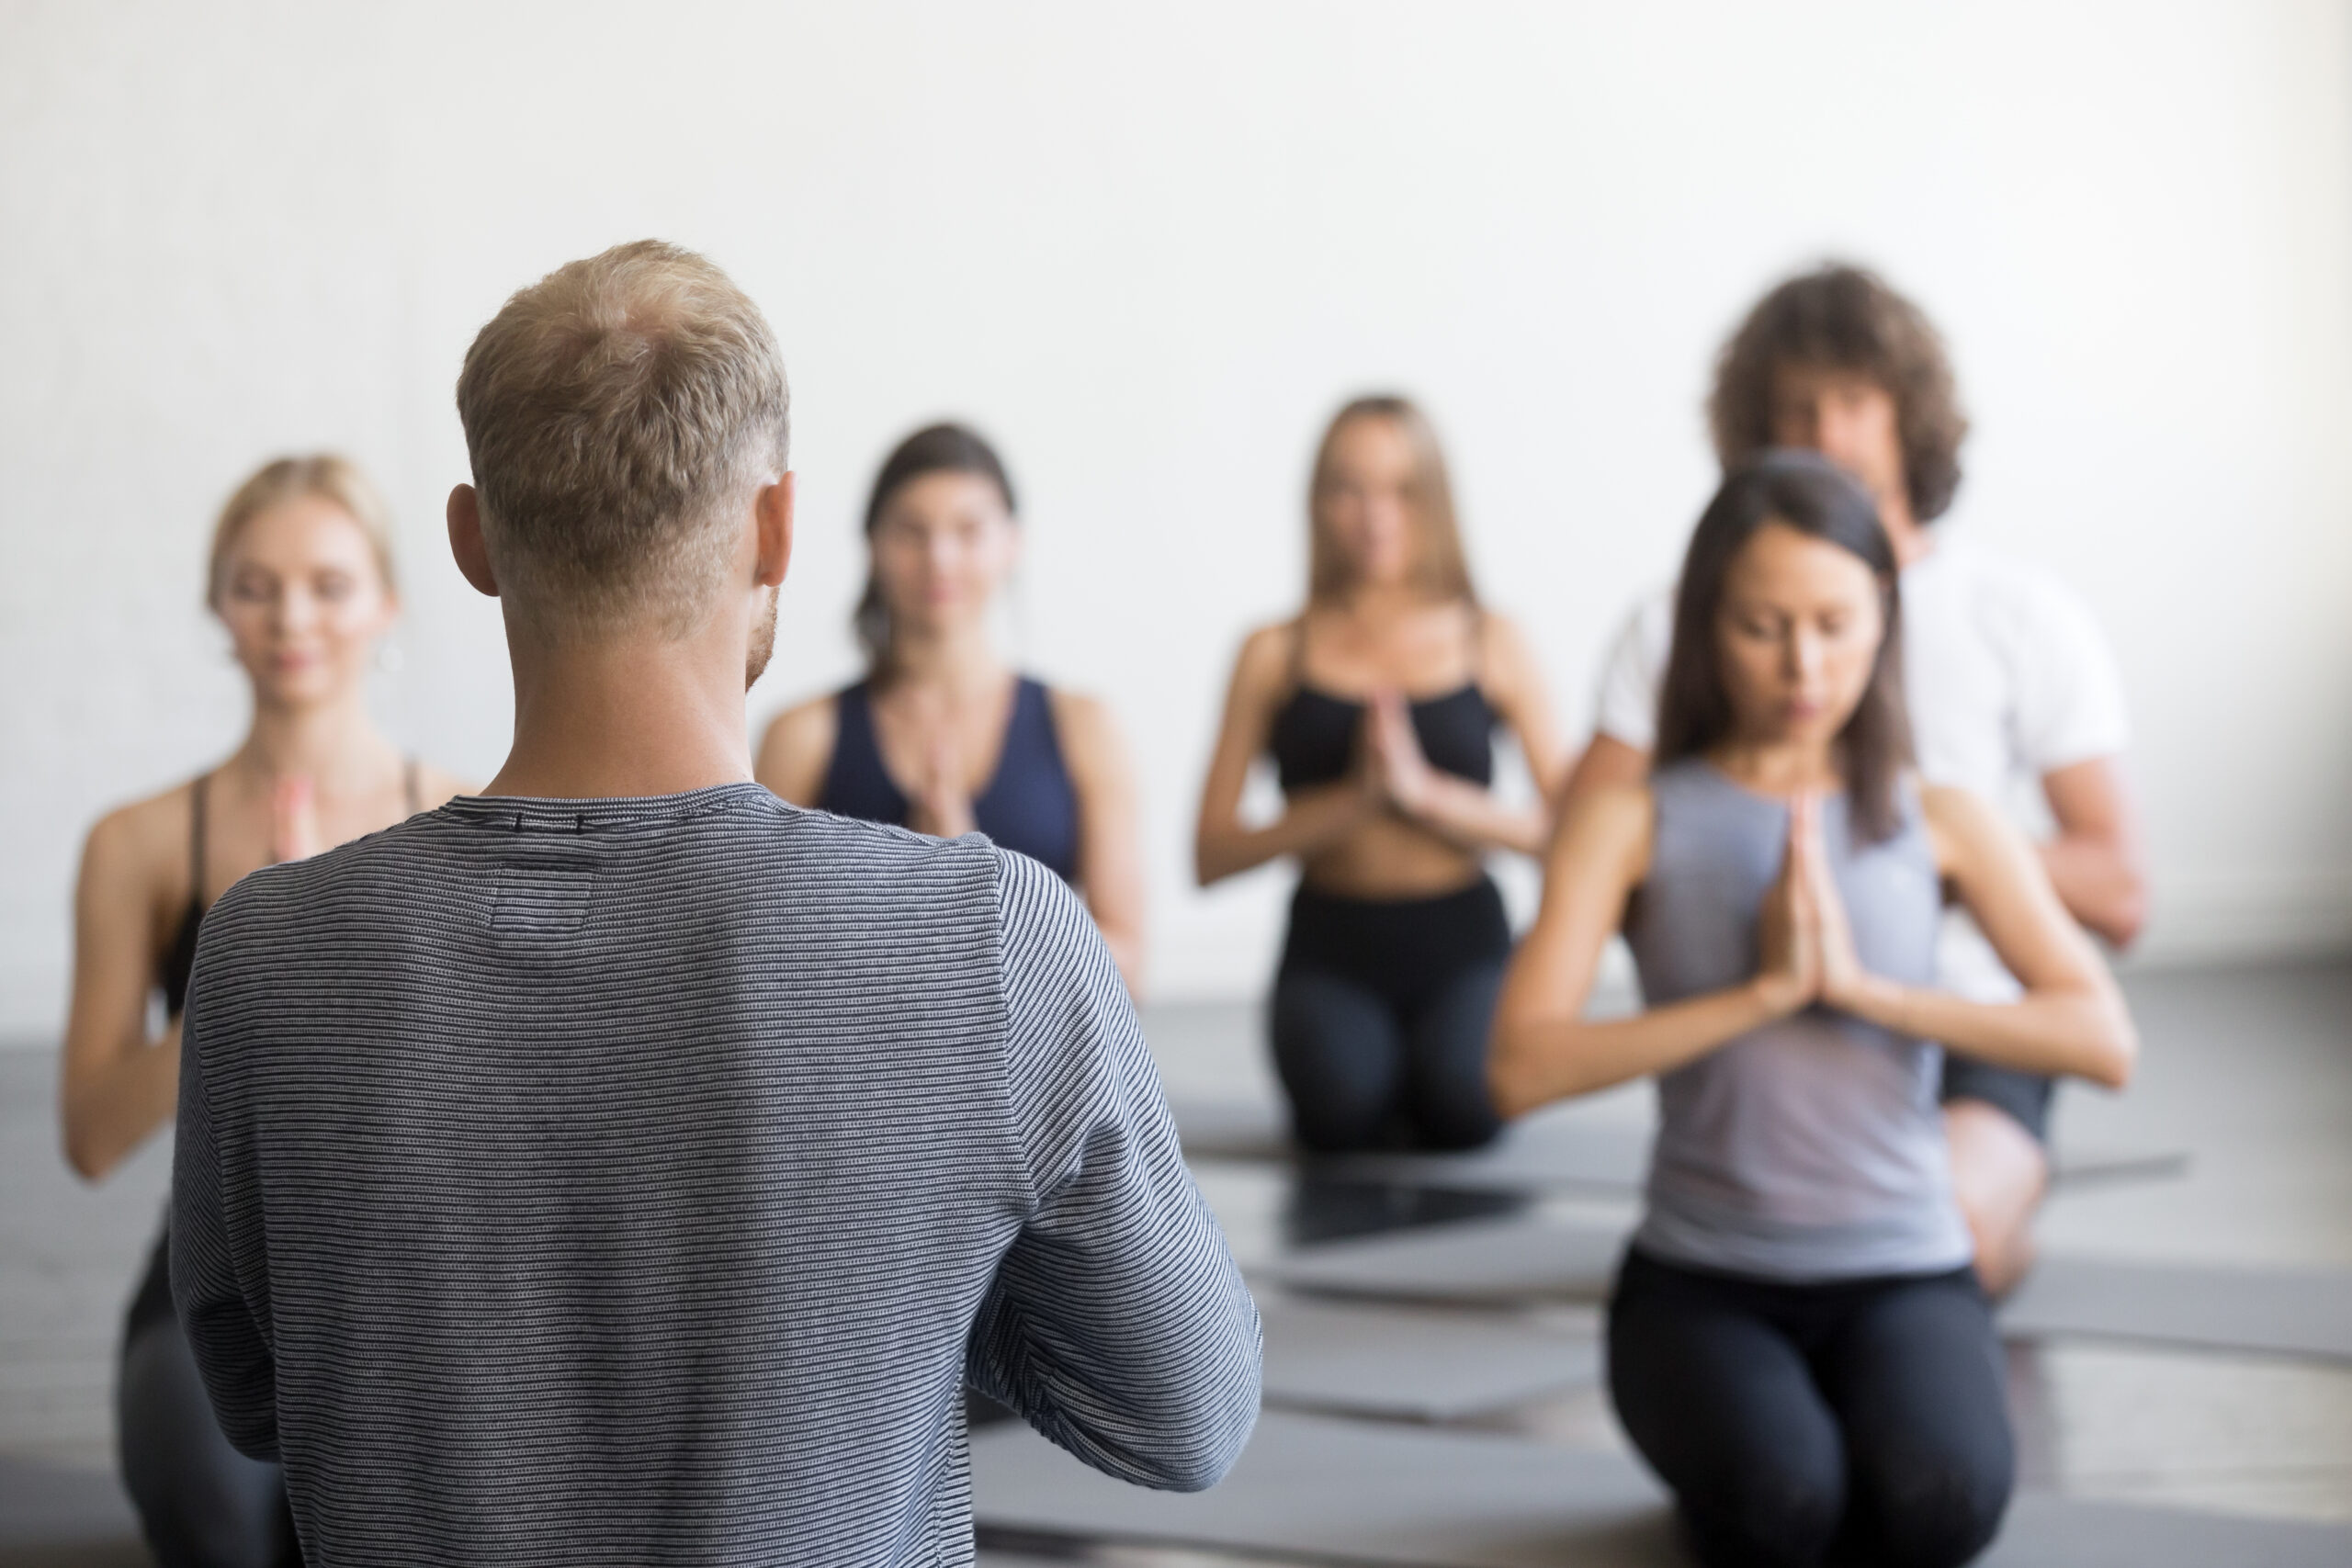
(1849, 318)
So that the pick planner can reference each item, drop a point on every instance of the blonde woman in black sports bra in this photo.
(302, 577)
(1377, 705)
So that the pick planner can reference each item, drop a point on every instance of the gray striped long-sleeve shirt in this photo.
(636, 1182)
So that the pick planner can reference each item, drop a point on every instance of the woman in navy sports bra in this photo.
(302, 577)
(1378, 703)
(941, 735)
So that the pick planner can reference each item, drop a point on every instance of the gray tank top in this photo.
(1812, 1149)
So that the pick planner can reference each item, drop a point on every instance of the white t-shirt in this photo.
(2007, 679)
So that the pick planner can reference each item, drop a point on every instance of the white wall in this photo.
(1148, 250)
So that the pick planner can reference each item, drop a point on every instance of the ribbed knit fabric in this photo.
(634, 1181)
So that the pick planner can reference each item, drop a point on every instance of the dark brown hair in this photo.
(945, 448)
(1845, 318)
(1440, 571)
(1808, 492)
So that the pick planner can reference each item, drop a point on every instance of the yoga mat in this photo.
(1414, 1365)
(2279, 1310)
(54, 1516)
(1348, 1492)
(1540, 1153)
(1484, 1261)
(1339, 1492)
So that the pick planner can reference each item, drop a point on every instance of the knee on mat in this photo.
(1775, 1515)
(1939, 1518)
(1461, 1120)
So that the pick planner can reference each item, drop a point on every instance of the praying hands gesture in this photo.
(1805, 945)
(294, 820)
(1396, 772)
(942, 804)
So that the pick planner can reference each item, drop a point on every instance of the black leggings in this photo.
(201, 1504)
(1380, 1016)
(1790, 1421)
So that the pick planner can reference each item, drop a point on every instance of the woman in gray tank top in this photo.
(1796, 1343)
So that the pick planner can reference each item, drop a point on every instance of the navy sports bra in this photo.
(1028, 805)
(1315, 735)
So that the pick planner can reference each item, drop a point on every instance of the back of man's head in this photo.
(620, 413)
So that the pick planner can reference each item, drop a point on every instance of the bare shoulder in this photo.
(796, 747)
(1608, 824)
(145, 835)
(139, 853)
(1267, 654)
(1506, 658)
(1088, 730)
(1964, 825)
(1611, 813)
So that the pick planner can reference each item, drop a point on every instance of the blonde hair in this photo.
(326, 475)
(615, 412)
(1440, 569)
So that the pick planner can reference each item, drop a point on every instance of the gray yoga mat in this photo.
(1542, 1152)
(1412, 1364)
(2278, 1311)
(1478, 1261)
(1337, 1492)
(2274, 1311)
(55, 1516)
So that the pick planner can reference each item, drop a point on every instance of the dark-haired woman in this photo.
(1797, 1343)
(302, 577)
(941, 735)
(1378, 703)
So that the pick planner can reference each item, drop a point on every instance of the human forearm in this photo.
(1538, 1060)
(2101, 881)
(1471, 815)
(2078, 1031)
(1311, 819)
(109, 1108)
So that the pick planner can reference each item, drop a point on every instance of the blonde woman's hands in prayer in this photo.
(1400, 773)
(294, 820)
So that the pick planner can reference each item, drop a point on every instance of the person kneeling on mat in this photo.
(625, 1165)
(1379, 705)
(1797, 1343)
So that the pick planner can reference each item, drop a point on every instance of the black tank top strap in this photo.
(179, 958)
(195, 793)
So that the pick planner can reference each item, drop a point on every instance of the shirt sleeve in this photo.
(231, 1352)
(1118, 1323)
(1633, 673)
(2070, 703)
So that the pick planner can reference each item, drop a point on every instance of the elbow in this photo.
(1206, 1464)
(1510, 1083)
(88, 1155)
(2119, 1049)
(2124, 916)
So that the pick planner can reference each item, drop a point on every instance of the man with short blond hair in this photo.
(624, 1166)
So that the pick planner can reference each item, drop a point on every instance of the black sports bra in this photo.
(179, 959)
(1316, 734)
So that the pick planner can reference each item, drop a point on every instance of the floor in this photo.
(2249, 1071)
